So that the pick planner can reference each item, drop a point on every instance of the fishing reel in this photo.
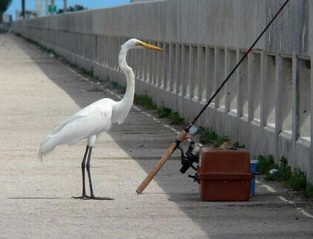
(192, 156)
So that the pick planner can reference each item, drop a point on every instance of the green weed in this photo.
(284, 171)
(209, 136)
(145, 101)
(309, 191)
(295, 180)
(165, 112)
(88, 73)
(266, 163)
(176, 119)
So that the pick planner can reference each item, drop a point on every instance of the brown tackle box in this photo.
(224, 175)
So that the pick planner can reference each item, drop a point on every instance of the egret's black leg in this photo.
(88, 171)
(83, 166)
(86, 165)
(92, 195)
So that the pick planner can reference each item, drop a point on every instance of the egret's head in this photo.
(137, 44)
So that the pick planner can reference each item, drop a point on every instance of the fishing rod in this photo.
(182, 135)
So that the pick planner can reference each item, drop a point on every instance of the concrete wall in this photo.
(267, 104)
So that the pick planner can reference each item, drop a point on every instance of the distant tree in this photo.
(4, 5)
(74, 8)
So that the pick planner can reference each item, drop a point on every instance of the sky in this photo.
(90, 4)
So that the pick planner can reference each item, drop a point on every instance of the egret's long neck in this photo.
(123, 107)
(129, 74)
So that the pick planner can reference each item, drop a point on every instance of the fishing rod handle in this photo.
(166, 156)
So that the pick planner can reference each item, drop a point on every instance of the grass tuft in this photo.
(295, 180)
(165, 112)
(309, 191)
(145, 101)
(266, 163)
(209, 136)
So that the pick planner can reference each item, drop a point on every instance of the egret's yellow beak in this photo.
(151, 47)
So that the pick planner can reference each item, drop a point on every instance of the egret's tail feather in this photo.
(40, 155)
(46, 146)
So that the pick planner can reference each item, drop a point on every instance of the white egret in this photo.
(96, 118)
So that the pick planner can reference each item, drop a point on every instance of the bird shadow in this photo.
(37, 198)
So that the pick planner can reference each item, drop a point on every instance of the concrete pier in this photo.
(37, 92)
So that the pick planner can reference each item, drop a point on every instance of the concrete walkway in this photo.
(37, 91)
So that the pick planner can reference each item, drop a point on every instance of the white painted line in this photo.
(136, 108)
(170, 127)
(285, 200)
(305, 213)
(269, 188)
(155, 119)
(301, 210)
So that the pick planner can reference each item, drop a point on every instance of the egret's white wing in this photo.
(103, 106)
(82, 127)
(91, 120)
